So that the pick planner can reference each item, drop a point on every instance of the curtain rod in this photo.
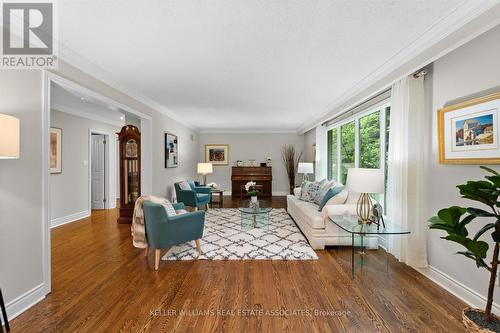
(350, 110)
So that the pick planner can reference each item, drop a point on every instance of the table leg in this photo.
(221, 199)
(4, 313)
(352, 254)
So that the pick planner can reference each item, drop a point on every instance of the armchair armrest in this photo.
(188, 198)
(179, 206)
(203, 189)
(185, 227)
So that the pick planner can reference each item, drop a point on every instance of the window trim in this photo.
(381, 107)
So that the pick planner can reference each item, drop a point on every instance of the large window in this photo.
(361, 141)
(347, 148)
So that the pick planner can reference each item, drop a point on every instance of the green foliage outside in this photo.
(369, 141)
(347, 143)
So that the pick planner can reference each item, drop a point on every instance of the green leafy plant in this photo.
(454, 221)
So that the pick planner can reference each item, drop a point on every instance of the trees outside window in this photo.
(347, 148)
(333, 162)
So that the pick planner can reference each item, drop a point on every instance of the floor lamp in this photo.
(9, 149)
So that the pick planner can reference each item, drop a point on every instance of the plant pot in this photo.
(253, 199)
(472, 326)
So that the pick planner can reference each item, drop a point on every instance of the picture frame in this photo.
(468, 132)
(217, 154)
(55, 157)
(171, 150)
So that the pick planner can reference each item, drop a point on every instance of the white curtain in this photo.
(408, 151)
(321, 153)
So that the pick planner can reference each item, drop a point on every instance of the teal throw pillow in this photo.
(330, 194)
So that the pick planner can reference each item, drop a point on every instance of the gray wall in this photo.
(21, 208)
(251, 146)
(471, 69)
(73, 182)
(21, 187)
(309, 141)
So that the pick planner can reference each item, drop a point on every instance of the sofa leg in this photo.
(198, 246)
(157, 259)
(146, 251)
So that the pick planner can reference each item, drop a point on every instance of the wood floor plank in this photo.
(101, 283)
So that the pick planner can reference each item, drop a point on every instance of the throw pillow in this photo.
(325, 185)
(303, 189)
(329, 194)
(310, 191)
(169, 208)
(339, 199)
(184, 185)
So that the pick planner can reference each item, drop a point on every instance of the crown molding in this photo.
(248, 131)
(74, 59)
(464, 13)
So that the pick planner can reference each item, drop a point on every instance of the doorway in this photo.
(99, 171)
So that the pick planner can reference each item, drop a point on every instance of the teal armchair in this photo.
(196, 197)
(163, 231)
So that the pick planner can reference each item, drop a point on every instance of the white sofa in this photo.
(316, 225)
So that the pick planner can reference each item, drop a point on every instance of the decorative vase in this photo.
(471, 326)
(254, 202)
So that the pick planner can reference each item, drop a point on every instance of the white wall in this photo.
(73, 182)
(471, 70)
(21, 250)
(251, 146)
(309, 141)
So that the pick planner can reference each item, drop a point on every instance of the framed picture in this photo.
(55, 150)
(468, 132)
(217, 154)
(171, 151)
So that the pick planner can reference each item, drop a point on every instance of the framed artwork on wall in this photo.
(55, 150)
(171, 151)
(468, 132)
(217, 154)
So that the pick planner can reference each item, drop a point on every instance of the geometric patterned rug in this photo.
(225, 239)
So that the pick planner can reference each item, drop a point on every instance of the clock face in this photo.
(131, 148)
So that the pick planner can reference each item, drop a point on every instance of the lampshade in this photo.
(362, 180)
(9, 137)
(205, 168)
(306, 168)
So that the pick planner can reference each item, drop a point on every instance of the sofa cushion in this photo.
(309, 213)
(328, 195)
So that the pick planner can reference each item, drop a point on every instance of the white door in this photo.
(98, 171)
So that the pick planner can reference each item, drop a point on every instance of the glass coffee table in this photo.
(361, 231)
(255, 217)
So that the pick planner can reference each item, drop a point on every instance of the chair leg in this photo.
(146, 251)
(196, 208)
(206, 207)
(157, 259)
(198, 246)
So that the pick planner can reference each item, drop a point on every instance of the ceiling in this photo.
(244, 64)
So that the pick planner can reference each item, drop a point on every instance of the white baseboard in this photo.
(69, 218)
(25, 301)
(458, 289)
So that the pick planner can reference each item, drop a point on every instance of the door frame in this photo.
(109, 167)
(146, 156)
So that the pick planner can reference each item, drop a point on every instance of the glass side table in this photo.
(362, 230)
(255, 217)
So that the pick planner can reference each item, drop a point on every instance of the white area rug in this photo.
(225, 239)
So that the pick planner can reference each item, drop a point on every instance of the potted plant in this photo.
(454, 221)
(291, 160)
(252, 192)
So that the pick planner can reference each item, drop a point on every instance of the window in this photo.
(332, 154)
(361, 141)
(369, 141)
(347, 144)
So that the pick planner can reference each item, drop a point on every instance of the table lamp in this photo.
(204, 169)
(9, 137)
(365, 182)
(305, 168)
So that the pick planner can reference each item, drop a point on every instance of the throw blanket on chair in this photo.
(138, 226)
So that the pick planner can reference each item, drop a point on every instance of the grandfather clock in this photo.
(130, 171)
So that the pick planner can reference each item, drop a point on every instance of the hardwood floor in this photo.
(101, 283)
